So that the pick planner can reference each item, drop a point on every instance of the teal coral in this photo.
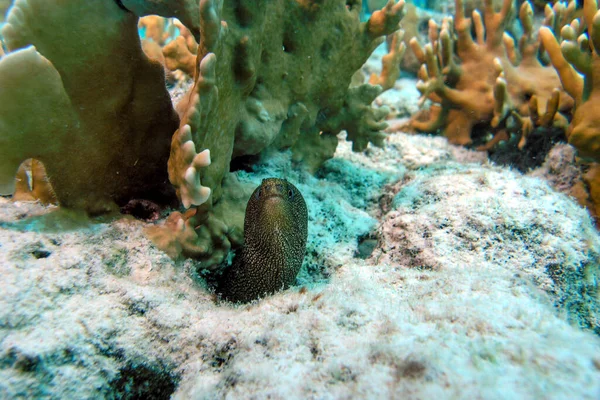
(275, 234)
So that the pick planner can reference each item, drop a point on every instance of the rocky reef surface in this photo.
(429, 273)
(431, 270)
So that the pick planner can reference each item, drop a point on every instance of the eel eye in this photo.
(290, 194)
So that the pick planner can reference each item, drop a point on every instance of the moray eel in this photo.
(275, 232)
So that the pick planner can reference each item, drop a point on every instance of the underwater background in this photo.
(432, 231)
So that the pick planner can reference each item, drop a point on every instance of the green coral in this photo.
(85, 101)
(275, 75)
(272, 75)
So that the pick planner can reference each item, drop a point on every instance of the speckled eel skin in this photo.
(275, 232)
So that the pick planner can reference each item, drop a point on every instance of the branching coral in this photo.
(168, 41)
(154, 28)
(528, 93)
(276, 75)
(579, 55)
(181, 54)
(577, 62)
(412, 24)
(390, 71)
(463, 92)
(485, 80)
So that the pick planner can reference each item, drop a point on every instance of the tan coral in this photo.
(190, 40)
(155, 28)
(180, 53)
(577, 61)
(590, 193)
(575, 56)
(487, 81)
(390, 62)
(412, 24)
(153, 51)
(463, 92)
(186, 11)
(178, 56)
(205, 233)
(534, 89)
(448, 6)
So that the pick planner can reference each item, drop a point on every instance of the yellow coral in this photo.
(178, 56)
(155, 28)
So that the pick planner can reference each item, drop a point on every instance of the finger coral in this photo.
(579, 55)
(577, 62)
(485, 80)
(178, 55)
(154, 28)
(273, 88)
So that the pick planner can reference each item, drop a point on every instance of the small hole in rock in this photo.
(41, 253)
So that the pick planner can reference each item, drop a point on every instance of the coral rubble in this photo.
(462, 308)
